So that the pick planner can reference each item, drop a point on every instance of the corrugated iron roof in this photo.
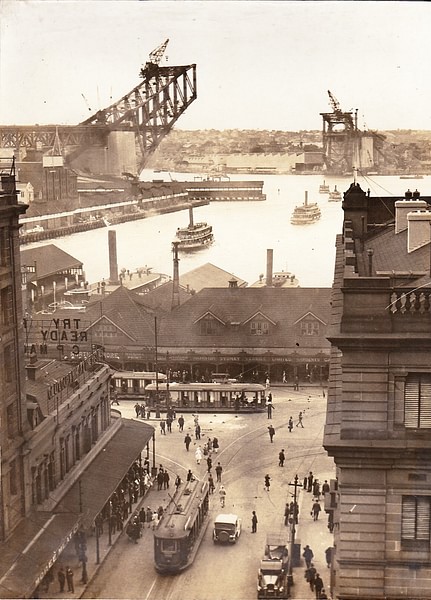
(49, 260)
(208, 275)
(106, 471)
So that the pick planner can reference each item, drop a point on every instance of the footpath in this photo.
(97, 550)
(316, 535)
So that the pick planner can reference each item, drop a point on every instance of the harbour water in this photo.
(243, 231)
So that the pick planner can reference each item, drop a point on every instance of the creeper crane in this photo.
(334, 103)
(156, 55)
(154, 59)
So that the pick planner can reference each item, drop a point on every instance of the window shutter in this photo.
(417, 401)
(425, 402)
(415, 523)
(411, 402)
(423, 519)
(408, 518)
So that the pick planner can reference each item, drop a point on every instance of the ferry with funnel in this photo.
(195, 236)
(306, 213)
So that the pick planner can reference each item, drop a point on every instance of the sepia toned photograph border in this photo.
(215, 299)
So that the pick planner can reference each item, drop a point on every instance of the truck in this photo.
(272, 579)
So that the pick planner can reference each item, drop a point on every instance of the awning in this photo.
(32, 550)
(96, 484)
(39, 540)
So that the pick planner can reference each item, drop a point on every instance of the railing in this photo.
(412, 302)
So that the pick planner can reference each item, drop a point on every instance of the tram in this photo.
(180, 530)
(222, 397)
(130, 385)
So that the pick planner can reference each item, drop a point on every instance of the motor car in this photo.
(227, 528)
(272, 577)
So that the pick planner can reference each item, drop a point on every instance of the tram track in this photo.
(245, 454)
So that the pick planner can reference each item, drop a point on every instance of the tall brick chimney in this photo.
(113, 265)
(269, 261)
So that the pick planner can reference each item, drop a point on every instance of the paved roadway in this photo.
(246, 454)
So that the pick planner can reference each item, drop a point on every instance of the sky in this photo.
(260, 64)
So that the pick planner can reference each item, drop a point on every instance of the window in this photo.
(4, 247)
(417, 401)
(13, 478)
(309, 328)
(259, 328)
(12, 420)
(415, 522)
(9, 363)
(209, 325)
(6, 307)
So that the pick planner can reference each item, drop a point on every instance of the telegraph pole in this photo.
(293, 528)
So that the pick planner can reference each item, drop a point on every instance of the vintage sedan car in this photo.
(272, 578)
(227, 528)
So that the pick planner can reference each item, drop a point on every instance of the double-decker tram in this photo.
(130, 385)
(182, 527)
(221, 397)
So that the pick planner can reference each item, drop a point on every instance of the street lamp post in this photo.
(168, 397)
(156, 366)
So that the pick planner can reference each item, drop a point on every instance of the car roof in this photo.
(271, 565)
(275, 539)
(226, 518)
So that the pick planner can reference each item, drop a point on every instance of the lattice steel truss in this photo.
(150, 110)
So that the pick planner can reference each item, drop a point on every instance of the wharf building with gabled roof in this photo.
(378, 420)
(251, 333)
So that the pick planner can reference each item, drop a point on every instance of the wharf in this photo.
(153, 199)
(225, 191)
(48, 232)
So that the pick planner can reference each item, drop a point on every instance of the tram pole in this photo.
(154, 468)
(168, 397)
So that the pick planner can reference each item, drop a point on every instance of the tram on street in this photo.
(130, 385)
(181, 528)
(222, 397)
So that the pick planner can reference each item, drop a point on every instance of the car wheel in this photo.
(223, 536)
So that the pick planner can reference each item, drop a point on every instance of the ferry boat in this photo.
(324, 188)
(305, 214)
(335, 195)
(195, 235)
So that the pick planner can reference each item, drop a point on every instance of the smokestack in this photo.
(306, 199)
(176, 277)
(113, 266)
(191, 216)
(269, 256)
